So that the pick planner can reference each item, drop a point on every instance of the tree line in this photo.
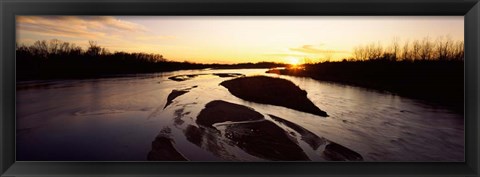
(431, 70)
(56, 49)
(57, 59)
(442, 48)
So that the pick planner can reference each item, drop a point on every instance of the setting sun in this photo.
(293, 61)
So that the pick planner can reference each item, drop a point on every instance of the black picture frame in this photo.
(9, 9)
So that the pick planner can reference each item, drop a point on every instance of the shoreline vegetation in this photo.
(423, 69)
(427, 70)
(440, 82)
(56, 59)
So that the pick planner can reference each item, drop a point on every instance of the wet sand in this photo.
(310, 138)
(180, 78)
(274, 91)
(332, 151)
(176, 93)
(336, 152)
(221, 111)
(259, 137)
(164, 150)
(222, 122)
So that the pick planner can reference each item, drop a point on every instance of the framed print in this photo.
(251, 88)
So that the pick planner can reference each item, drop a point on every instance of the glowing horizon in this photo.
(236, 39)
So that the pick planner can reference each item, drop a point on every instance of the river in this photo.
(117, 118)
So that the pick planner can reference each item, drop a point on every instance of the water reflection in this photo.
(119, 118)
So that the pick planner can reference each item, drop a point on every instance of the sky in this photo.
(237, 39)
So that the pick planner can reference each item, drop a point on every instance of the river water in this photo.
(116, 119)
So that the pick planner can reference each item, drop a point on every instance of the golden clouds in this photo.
(110, 32)
(88, 27)
(311, 49)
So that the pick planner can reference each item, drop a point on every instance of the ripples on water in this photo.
(118, 118)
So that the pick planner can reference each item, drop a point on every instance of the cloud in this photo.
(89, 27)
(113, 23)
(110, 32)
(311, 49)
(312, 52)
(307, 51)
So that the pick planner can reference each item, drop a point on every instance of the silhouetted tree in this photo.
(93, 49)
(440, 49)
(406, 53)
(57, 59)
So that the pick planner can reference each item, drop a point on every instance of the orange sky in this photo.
(222, 39)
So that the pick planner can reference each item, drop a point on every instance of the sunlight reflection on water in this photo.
(118, 118)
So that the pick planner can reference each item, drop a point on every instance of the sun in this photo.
(294, 61)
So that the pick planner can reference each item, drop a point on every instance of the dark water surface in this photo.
(116, 119)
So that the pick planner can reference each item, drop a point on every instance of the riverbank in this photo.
(438, 82)
(88, 69)
(45, 61)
